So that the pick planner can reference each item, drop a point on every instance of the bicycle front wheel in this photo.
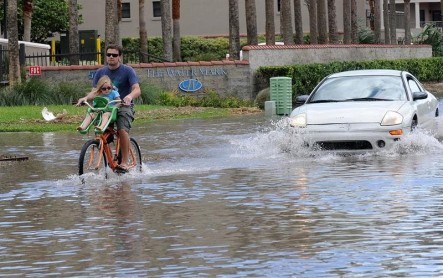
(91, 160)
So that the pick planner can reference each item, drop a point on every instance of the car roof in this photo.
(374, 72)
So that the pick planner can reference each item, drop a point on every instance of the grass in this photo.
(29, 118)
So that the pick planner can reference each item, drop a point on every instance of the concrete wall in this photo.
(237, 77)
(280, 55)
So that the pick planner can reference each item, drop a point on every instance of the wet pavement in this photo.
(231, 197)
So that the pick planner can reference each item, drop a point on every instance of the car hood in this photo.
(347, 112)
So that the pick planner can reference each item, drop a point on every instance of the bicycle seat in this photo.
(100, 102)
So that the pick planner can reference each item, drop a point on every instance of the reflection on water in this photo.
(229, 197)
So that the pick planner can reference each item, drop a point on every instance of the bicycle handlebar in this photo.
(102, 108)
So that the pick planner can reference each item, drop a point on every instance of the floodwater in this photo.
(231, 197)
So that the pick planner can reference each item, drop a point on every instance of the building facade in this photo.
(210, 17)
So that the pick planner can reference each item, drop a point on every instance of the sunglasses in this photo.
(106, 88)
(112, 54)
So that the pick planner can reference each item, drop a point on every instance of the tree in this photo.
(312, 9)
(13, 47)
(286, 22)
(176, 45)
(251, 22)
(407, 11)
(322, 26)
(165, 7)
(234, 30)
(142, 32)
(27, 19)
(346, 21)
(386, 22)
(393, 22)
(332, 22)
(111, 21)
(354, 23)
(270, 24)
(376, 17)
(74, 48)
(298, 20)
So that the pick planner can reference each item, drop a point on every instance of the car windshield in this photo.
(360, 88)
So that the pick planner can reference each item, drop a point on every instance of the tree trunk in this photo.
(286, 22)
(354, 23)
(74, 57)
(176, 37)
(166, 29)
(347, 21)
(298, 22)
(27, 20)
(322, 22)
(110, 22)
(251, 22)
(407, 11)
(393, 22)
(386, 22)
(312, 9)
(270, 24)
(143, 33)
(13, 46)
(234, 30)
(332, 22)
(377, 20)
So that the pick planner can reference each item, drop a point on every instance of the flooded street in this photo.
(231, 197)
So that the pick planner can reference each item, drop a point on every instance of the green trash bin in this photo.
(281, 92)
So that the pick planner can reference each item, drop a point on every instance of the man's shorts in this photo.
(125, 117)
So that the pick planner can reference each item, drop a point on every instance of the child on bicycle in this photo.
(104, 89)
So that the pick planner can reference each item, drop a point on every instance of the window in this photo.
(126, 10)
(156, 9)
(278, 6)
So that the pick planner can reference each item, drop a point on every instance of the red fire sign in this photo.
(35, 70)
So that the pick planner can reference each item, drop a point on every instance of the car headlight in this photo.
(298, 120)
(392, 118)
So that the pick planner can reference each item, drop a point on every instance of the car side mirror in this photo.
(301, 99)
(419, 95)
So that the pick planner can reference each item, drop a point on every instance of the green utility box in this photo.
(281, 92)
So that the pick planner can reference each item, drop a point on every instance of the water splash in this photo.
(280, 139)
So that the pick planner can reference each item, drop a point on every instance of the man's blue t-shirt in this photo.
(123, 78)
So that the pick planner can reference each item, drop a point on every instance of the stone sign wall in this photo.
(237, 77)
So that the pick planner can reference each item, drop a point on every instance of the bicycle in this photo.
(104, 150)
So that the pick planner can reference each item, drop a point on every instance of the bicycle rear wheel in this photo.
(135, 156)
(90, 160)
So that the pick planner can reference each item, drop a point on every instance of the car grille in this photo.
(343, 145)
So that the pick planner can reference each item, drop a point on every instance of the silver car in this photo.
(364, 110)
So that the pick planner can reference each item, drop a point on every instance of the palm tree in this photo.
(386, 22)
(298, 20)
(392, 22)
(14, 63)
(176, 37)
(165, 7)
(74, 47)
(377, 20)
(251, 22)
(270, 24)
(312, 9)
(111, 20)
(346, 21)
(27, 19)
(286, 22)
(407, 11)
(332, 22)
(143, 33)
(322, 26)
(354, 23)
(234, 30)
